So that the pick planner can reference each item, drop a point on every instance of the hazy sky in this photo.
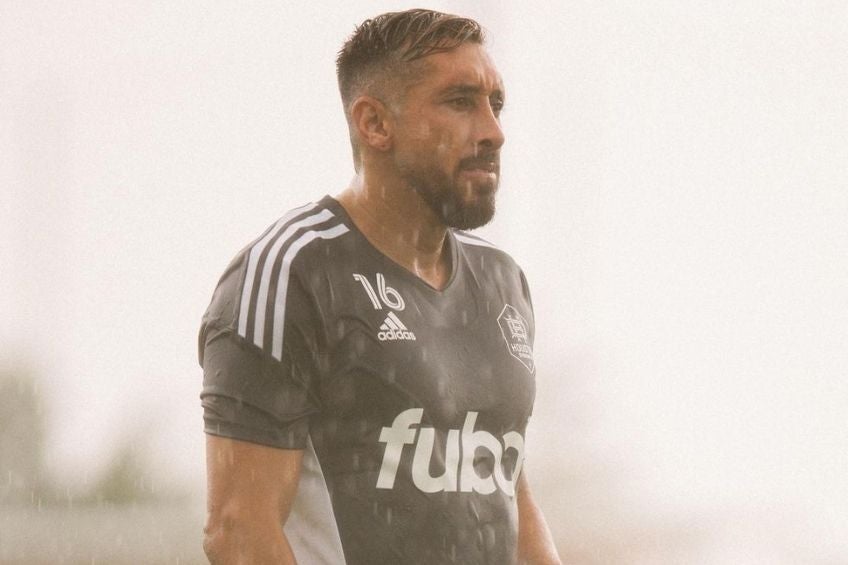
(675, 186)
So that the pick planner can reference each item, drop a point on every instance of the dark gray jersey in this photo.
(411, 403)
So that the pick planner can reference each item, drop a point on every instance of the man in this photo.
(368, 369)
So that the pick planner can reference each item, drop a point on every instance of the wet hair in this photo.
(384, 53)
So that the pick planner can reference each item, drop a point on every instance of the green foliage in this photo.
(22, 426)
(23, 480)
(125, 480)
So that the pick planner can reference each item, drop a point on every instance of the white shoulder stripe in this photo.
(268, 267)
(255, 253)
(283, 281)
(473, 240)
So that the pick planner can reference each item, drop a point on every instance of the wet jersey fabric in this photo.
(411, 403)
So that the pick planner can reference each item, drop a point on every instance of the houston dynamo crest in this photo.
(516, 333)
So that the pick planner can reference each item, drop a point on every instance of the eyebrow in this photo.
(470, 89)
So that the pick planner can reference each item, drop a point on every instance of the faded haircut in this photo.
(382, 54)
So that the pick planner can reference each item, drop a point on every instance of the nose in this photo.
(490, 134)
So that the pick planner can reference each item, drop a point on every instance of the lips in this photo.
(488, 164)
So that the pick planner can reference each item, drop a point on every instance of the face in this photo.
(447, 139)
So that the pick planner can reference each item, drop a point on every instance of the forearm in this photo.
(535, 542)
(248, 544)
(251, 489)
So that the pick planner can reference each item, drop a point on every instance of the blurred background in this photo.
(675, 185)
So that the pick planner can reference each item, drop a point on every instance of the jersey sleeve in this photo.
(249, 393)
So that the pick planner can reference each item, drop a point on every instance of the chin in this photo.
(471, 216)
(464, 206)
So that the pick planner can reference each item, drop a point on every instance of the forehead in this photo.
(469, 64)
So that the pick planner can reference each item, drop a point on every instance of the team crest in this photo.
(515, 332)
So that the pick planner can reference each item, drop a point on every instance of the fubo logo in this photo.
(460, 474)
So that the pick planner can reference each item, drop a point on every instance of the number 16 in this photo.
(390, 297)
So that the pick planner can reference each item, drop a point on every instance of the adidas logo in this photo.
(392, 329)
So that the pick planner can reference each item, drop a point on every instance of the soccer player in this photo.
(368, 366)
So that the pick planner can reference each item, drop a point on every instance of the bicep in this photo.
(248, 479)
(247, 396)
(256, 415)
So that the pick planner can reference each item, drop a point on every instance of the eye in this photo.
(462, 102)
(497, 105)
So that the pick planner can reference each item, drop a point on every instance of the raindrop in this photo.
(488, 537)
(472, 510)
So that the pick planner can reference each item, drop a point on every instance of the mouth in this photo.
(481, 172)
(484, 164)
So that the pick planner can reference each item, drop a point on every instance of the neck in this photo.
(400, 225)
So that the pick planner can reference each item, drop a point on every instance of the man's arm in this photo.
(535, 543)
(251, 488)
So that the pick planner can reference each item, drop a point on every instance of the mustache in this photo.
(486, 161)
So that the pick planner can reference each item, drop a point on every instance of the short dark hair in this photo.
(384, 47)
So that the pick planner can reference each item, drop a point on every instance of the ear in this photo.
(372, 122)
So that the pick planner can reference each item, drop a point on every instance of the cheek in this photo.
(420, 132)
(416, 127)
(437, 147)
(425, 140)
(418, 140)
(444, 146)
(454, 142)
(447, 145)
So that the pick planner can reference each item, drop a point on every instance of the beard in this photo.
(444, 195)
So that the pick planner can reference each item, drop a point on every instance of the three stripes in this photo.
(269, 264)
(267, 276)
(392, 322)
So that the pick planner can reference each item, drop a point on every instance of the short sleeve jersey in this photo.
(411, 403)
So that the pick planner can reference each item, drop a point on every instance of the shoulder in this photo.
(251, 296)
(489, 261)
(281, 248)
(475, 246)
(294, 231)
